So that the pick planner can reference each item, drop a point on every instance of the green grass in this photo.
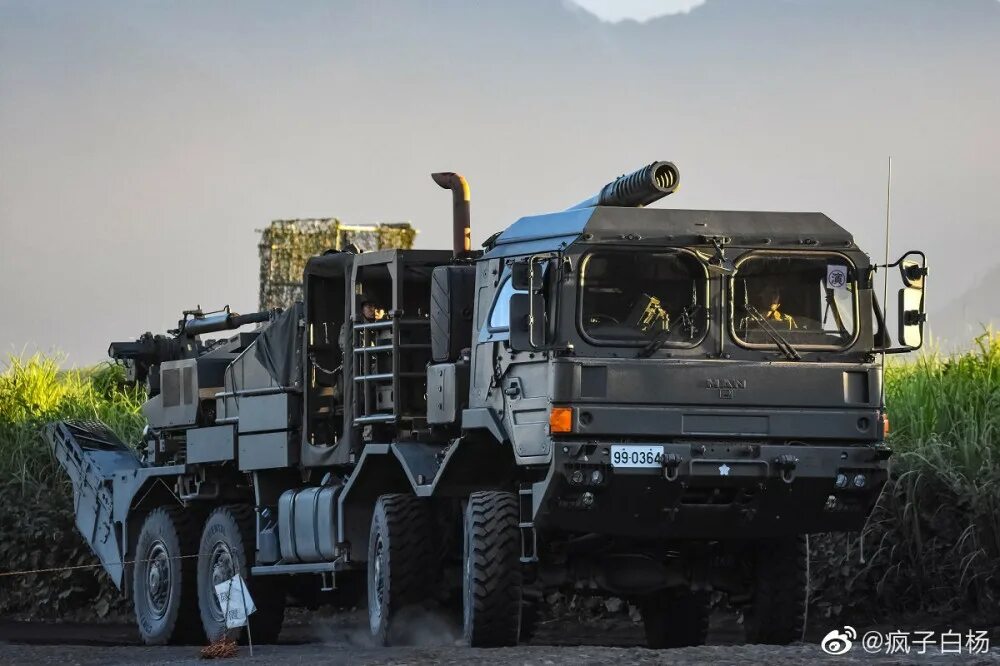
(933, 542)
(945, 411)
(34, 391)
(37, 528)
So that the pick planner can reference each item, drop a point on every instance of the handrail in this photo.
(387, 323)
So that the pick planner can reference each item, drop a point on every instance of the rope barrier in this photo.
(27, 572)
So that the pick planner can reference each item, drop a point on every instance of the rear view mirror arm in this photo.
(882, 337)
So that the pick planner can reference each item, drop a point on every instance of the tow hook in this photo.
(671, 462)
(881, 453)
(786, 462)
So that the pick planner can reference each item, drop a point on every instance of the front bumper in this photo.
(711, 490)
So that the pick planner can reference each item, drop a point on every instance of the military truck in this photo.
(612, 399)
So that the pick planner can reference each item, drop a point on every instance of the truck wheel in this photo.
(164, 578)
(399, 562)
(777, 610)
(491, 581)
(227, 548)
(675, 618)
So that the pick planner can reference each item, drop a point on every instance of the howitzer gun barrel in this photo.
(152, 349)
(222, 321)
(639, 188)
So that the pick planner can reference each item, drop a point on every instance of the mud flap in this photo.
(91, 454)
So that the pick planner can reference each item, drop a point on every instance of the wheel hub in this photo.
(377, 592)
(223, 568)
(157, 578)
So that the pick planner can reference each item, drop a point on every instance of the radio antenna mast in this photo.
(885, 277)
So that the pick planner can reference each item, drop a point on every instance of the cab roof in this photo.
(667, 226)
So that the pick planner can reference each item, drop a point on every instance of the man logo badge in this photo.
(726, 387)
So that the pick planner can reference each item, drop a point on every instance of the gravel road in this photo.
(342, 642)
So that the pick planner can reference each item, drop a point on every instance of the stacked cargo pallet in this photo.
(286, 245)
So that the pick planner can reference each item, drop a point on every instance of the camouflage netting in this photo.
(286, 245)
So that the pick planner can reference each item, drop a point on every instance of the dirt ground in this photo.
(342, 640)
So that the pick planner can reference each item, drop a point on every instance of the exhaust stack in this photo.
(461, 235)
(639, 188)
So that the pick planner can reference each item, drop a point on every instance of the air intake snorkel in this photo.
(639, 188)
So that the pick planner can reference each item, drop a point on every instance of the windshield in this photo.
(809, 301)
(633, 298)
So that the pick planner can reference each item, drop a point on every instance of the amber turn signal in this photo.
(561, 420)
(885, 424)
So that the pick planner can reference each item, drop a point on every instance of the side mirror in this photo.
(913, 272)
(528, 275)
(913, 269)
(911, 316)
(527, 321)
(910, 313)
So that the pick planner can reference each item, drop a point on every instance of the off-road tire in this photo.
(399, 564)
(491, 566)
(777, 611)
(675, 618)
(166, 602)
(226, 548)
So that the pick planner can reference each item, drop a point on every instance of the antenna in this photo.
(885, 323)
(885, 276)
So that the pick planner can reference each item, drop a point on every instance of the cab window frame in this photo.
(808, 254)
(705, 316)
(504, 283)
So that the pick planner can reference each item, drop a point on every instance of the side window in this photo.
(500, 316)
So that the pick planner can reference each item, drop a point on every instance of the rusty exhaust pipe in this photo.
(461, 234)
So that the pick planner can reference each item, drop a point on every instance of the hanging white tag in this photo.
(235, 601)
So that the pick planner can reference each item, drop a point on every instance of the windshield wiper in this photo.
(654, 345)
(783, 345)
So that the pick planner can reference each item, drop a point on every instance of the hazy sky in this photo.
(143, 142)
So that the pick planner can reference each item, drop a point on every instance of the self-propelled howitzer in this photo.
(646, 402)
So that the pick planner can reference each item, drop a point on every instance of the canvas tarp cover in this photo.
(279, 347)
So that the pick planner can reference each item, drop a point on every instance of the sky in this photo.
(142, 143)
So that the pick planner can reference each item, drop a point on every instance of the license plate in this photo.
(632, 455)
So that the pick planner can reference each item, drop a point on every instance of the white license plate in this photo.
(633, 455)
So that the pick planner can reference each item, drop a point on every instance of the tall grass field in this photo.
(932, 543)
(36, 522)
